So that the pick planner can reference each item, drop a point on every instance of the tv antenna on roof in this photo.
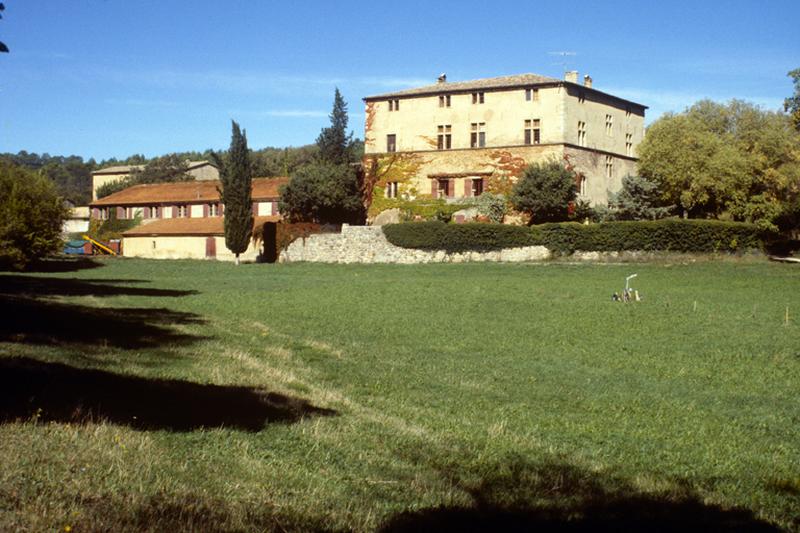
(563, 54)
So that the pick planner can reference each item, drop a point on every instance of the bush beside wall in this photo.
(674, 235)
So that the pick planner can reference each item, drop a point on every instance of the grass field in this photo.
(189, 395)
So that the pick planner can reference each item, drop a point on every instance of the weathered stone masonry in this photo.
(368, 244)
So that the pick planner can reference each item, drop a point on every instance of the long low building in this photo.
(183, 219)
(186, 238)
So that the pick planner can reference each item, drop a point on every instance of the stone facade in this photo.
(455, 140)
(368, 244)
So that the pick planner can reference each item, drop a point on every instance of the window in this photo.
(581, 133)
(183, 211)
(477, 98)
(582, 186)
(581, 97)
(391, 189)
(443, 188)
(628, 111)
(532, 131)
(391, 142)
(444, 100)
(629, 144)
(394, 105)
(444, 137)
(532, 95)
(213, 210)
(153, 211)
(130, 213)
(609, 166)
(477, 138)
(609, 125)
(104, 213)
(477, 187)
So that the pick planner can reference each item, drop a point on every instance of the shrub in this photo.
(113, 228)
(639, 199)
(674, 235)
(545, 192)
(31, 216)
(323, 193)
(492, 206)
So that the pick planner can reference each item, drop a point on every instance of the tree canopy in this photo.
(545, 192)
(236, 177)
(730, 161)
(31, 216)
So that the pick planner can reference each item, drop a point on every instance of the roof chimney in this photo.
(587, 81)
(442, 78)
(571, 76)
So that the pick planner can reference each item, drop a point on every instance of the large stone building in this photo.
(459, 139)
(199, 170)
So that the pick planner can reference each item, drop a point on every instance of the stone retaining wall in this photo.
(368, 244)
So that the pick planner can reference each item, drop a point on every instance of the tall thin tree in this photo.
(334, 141)
(236, 177)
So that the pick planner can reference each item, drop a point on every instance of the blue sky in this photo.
(110, 78)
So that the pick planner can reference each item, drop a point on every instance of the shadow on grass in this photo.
(31, 321)
(61, 393)
(64, 264)
(520, 496)
(36, 286)
(31, 317)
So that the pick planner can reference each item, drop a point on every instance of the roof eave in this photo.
(444, 90)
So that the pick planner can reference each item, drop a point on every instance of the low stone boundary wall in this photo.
(368, 244)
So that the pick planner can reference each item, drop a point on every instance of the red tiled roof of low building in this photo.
(185, 192)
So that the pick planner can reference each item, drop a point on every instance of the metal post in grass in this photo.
(627, 292)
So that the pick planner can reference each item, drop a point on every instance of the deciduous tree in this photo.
(732, 161)
(31, 217)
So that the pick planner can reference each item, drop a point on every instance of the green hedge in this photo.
(458, 237)
(674, 235)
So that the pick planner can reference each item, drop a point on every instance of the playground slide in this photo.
(100, 245)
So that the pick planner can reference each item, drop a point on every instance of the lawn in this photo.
(188, 395)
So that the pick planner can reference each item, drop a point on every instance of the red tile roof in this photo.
(185, 192)
(187, 226)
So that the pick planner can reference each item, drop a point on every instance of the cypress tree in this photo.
(236, 177)
(334, 142)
